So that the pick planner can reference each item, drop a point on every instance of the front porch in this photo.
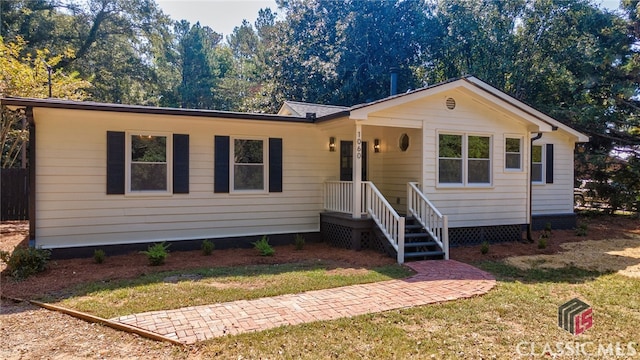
(373, 223)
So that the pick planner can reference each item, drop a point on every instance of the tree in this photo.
(342, 52)
(28, 77)
(200, 68)
(119, 44)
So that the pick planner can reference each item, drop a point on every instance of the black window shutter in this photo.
(180, 164)
(275, 165)
(221, 165)
(115, 162)
(549, 159)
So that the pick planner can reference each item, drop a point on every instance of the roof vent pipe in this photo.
(394, 82)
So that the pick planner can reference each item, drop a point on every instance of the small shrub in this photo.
(263, 247)
(484, 248)
(157, 253)
(99, 256)
(582, 230)
(547, 227)
(25, 261)
(542, 242)
(299, 241)
(207, 247)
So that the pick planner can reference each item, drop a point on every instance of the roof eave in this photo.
(77, 105)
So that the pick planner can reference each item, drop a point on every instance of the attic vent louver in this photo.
(451, 103)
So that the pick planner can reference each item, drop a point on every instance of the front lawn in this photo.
(517, 319)
(520, 311)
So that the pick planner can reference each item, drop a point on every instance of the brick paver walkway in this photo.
(434, 281)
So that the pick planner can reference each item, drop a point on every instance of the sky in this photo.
(223, 15)
(220, 15)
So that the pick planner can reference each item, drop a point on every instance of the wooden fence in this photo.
(14, 194)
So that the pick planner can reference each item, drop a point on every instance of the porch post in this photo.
(357, 172)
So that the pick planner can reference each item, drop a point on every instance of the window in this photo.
(245, 165)
(403, 143)
(148, 164)
(450, 159)
(479, 161)
(464, 159)
(537, 157)
(142, 163)
(513, 154)
(248, 165)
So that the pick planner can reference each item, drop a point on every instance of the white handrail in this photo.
(385, 216)
(339, 197)
(436, 224)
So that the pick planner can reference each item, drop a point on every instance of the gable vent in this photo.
(451, 103)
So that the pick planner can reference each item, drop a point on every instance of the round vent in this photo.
(451, 103)
(403, 144)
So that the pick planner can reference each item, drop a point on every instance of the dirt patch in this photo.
(12, 233)
(348, 271)
(29, 332)
(611, 255)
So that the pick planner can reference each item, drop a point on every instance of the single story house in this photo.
(452, 163)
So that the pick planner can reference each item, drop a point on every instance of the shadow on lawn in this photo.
(569, 274)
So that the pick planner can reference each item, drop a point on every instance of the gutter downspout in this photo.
(530, 224)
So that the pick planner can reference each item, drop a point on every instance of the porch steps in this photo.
(429, 255)
(418, 244)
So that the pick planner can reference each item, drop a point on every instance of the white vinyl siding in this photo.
(73, 208)
(556, 197)
(502, 203)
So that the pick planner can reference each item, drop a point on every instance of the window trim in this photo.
(543, 162)
(465, 160)
(521, 153)
(265, 165)
(169, 163)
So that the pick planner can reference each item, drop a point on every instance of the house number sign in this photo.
(359, 145)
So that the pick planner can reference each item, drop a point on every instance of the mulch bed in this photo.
(63, 274)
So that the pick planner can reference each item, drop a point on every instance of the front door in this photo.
(346, 161)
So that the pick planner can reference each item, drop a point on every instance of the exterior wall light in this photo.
(332, 144)
(376, 145)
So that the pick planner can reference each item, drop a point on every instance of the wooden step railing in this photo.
(436, 224)
(385, 216)
(339, 198)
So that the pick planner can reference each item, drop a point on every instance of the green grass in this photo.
(214, 285)
(522, 308)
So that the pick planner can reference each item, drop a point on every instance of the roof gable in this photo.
(477, 88)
